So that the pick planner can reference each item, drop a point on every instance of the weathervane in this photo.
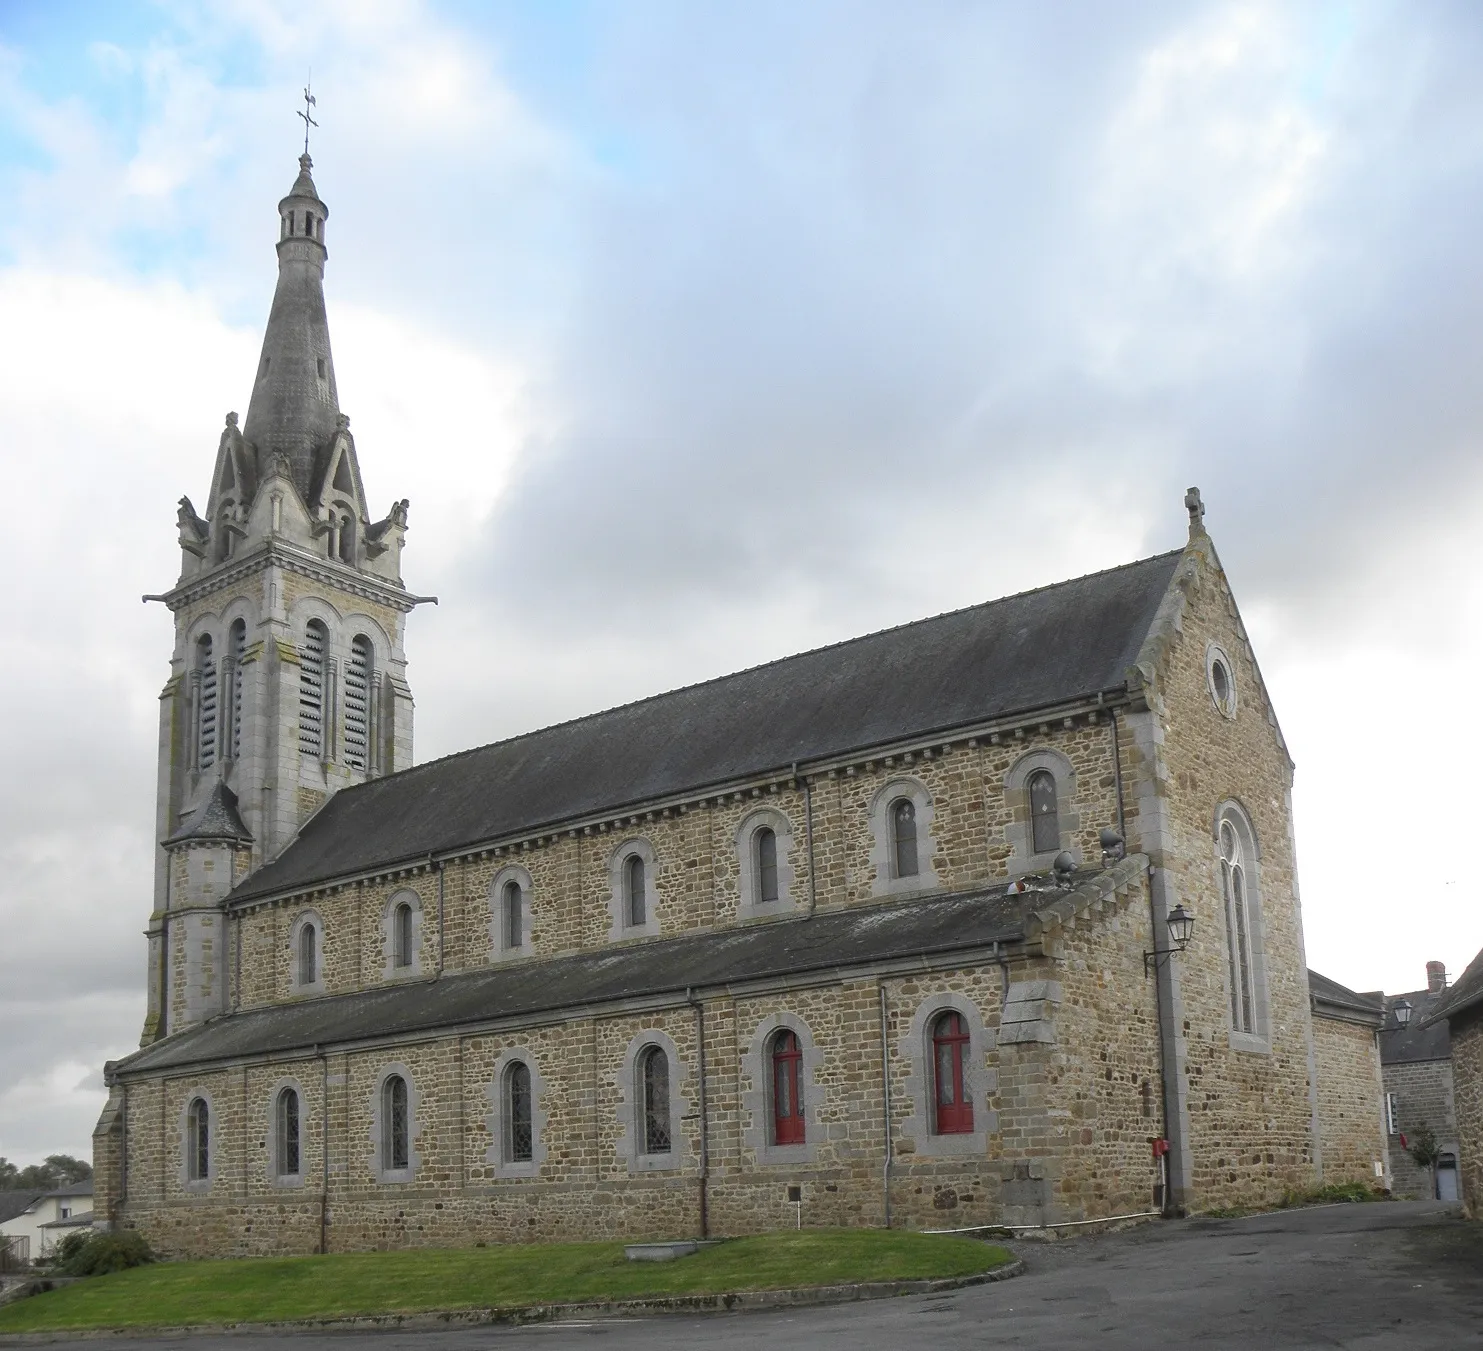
(309, 102)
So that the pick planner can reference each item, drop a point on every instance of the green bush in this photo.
(98, 1254)
(66, 1251)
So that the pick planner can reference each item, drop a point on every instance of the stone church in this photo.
(988, 919)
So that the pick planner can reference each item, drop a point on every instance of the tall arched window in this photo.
(787, 1089)
(308, 953)
(519, 1134)
(236, 646)
(286, 1133)
(206, 703)
(512, 904)
(396, 1130)
(1045, 817)
(654, 1094)
(401, 935)
(358, 702)
(765, 845)
(904, 837)
(198, 1141)
(311, 689)
(635, 903)
(953, 1107)
(1234, 886)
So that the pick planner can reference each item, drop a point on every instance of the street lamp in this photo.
(1402, 1010)
(1181, 928)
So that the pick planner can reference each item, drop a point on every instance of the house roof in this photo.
(217, 818)
(83, 1188)
(1422, 1038)
(829, 941)
(1035, 650)
(71, 1222)
(1465, 993)
(1339, 1001)
(17, 1203)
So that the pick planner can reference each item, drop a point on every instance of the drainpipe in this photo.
(1161, 976)
(324, 1149)
(886, 1109)
(1117, 778)
(808, 820)
(705, 1142)
(1004, 977)
(439, 865)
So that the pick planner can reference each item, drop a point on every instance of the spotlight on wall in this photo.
(1114, 847)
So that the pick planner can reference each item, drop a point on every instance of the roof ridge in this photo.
(403, 774)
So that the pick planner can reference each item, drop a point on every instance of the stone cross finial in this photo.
(1196, 509)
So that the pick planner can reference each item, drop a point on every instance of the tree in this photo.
(1422, 1147)
(59, 1170)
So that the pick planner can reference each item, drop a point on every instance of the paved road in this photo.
(1405, 1275)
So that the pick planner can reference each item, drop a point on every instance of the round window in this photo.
(1222, 682)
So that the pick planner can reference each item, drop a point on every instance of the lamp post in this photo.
(1181, 925)
(1402, 1010)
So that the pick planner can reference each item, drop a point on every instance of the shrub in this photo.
(66, 1251)
(99, 1254)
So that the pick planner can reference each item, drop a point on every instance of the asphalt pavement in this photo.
(1405, 1275)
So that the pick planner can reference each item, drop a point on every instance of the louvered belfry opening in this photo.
(206, 703)
(236, 645)
(358, 704)
(311, 689)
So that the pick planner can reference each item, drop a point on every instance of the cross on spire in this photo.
(309, 102)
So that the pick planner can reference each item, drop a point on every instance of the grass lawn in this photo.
(342, 1285)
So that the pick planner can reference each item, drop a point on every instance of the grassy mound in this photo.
(346, 1285)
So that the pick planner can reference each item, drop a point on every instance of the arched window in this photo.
(765, 861)
(635, 903)
(401, 935)
(953, 1107)
(286, 1133)
(512, 904)
(198, 1141)
(358, 702)
(396, 1127)
(654, 1094)
(519, 1134)
(904, 837)
(1235, 889)
(787, 1089)
(311, 689)
(1045, 817)
(206, 705)
(236, 646)
(308, 953)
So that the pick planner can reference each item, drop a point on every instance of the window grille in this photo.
(311, 689)
(519, 1135)
(358, 703)
(236, 646)
(767, 865)
(787, 1090)
(198, 1141)
(1045, 816)
(654, 1086)
(308, 954)
(1391, 1115)
(954, 1107)
(395, 1150)
(401, 935)
(512, 902)
(635, 902)
(904, 837)
(206, 703)
(286, 1129)
(1238, 928)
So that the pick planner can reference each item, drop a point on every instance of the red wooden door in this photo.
(787, 1090)
(949, 1056)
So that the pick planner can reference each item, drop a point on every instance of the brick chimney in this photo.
(1436, 976)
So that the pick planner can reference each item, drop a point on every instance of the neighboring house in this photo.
(42, 1219)
(1351, 1113)
(1460, 1012)
(1416, 1063)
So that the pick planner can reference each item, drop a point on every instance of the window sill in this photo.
(1250, 1044)
(787, 1156)
(968, 1144)
(654, 1163)
(394, 1177)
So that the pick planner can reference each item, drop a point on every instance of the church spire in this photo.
(295, 408)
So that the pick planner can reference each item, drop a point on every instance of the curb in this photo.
(515, 1315)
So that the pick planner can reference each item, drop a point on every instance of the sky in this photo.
(701, 334)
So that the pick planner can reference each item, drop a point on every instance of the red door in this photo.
(787, 1090)
(949, 1057)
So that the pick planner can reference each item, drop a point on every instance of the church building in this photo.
(991, 918)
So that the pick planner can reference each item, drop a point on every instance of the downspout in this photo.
(886, 1109)
(705, 1142)
(1166, 1207)
(237, 963)
(808, 821)
(1004, 976)
(439, 865)
(324, 1149)
(1117, 778)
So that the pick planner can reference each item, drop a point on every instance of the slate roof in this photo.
(1340, 999)
(834, 940)
(13, 1203)
(1421, 1038)
(215, 819)
(1035, 650)
(1464, 993)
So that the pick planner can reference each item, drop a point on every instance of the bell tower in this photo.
(288, 679)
